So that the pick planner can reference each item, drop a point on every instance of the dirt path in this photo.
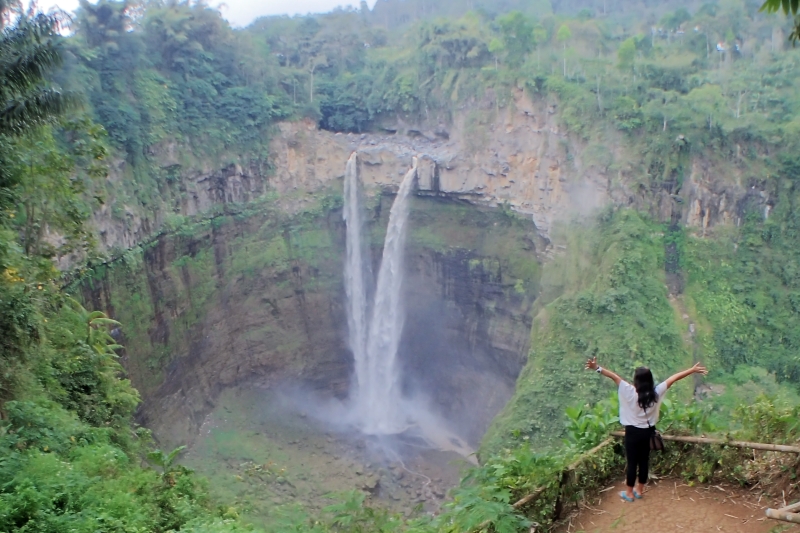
(672, 506)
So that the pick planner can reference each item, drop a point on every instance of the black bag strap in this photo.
(647, 418)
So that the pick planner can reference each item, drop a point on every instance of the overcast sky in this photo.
(243, 12)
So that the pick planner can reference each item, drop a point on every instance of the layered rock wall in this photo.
(514, 157)
(257, 294)
(517, 156)
(259, 299)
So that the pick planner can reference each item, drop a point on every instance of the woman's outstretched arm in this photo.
(591, 364)
(696, 369)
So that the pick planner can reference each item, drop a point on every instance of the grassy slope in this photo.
(606, 296)
(621, 315)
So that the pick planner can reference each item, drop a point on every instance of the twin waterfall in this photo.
(374, 330)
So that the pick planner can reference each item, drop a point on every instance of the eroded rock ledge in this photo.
(517, 156)
(519, 161)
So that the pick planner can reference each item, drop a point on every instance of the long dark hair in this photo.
(645, 388)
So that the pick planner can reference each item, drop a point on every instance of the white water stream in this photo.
(356, 271)
(374, 337)
(380, 395)
(374, 342)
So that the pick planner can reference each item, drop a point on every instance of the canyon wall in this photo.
(246, 283)
(517, 156)
(258, 299)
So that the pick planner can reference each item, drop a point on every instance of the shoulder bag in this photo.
(656, 442)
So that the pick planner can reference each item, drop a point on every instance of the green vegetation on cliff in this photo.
(733, 306)
(743, 288)
(645, 92)
(170, 89)
(70, 457)
(616, 310)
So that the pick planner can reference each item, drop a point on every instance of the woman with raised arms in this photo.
(639, 405)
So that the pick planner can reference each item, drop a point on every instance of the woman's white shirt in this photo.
(630, 414)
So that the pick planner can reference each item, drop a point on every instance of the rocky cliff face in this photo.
(256, 294)
(227, 302)
(123, 223)
(259, 298)
(516, 156)
(466, 336)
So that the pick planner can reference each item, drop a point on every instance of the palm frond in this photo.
(27, 31)
(40, 107)
(105, 322)
(23, 69)
(29, 50)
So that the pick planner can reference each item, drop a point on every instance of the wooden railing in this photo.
(722, 442)
(785, 513)
(568, 475)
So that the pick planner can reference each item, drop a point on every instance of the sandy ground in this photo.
(673, 506)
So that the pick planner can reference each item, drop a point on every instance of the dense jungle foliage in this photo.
(645, 88)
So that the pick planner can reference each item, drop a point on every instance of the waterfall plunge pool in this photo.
(264, 451)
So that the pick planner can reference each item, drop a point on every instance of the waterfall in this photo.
(381, 395)
(378, 396)
(355, 271)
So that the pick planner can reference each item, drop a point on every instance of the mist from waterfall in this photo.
(378, 397)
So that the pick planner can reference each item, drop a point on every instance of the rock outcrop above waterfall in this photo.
(517, 160)
(516, 156)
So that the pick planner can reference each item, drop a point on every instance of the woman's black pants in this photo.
(637, 452)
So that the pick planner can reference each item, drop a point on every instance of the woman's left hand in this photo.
(591, 364)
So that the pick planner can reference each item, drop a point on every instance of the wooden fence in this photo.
(722, 442)
(568, 475)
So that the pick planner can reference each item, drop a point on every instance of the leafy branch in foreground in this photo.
(789, 7)
(29, 51)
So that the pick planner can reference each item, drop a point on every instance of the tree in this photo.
(539, 36)
(626, 54)
(496, 47)
(706, 101)
(564, 34)
(517, 32)
(597, 69)
(166, 461)
(30, 48)
(673, 21)
(54, 196)
(662, 108)
(315, 62)
(789, 7)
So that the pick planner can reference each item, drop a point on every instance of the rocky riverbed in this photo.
(264, 453)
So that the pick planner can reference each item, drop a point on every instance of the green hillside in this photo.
(117, 114)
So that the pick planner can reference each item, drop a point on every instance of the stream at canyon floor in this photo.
(260, 452)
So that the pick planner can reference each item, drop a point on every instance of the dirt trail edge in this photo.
(670, 505)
